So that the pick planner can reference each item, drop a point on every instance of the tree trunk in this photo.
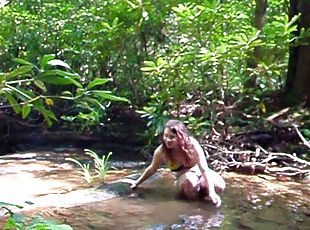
(298, 75)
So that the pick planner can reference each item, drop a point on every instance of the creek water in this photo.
(46, 185)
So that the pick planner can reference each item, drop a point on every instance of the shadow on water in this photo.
(57, 194)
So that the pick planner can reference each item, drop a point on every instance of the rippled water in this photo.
(53, 190)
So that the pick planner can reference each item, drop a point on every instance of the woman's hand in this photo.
(133, 185)
(216, 199)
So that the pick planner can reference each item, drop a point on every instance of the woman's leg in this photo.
(189, 184)
(219, 183)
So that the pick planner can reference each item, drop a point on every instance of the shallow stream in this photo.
(48, 186)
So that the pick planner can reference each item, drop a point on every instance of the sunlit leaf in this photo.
(2, 77)
(262, 107)
(57, 62)
(148, 69)
(160, 61)
(66, 93)
(40, 85)
(109, 96)
(13, 102)
(45, 59)
(22, 94)
(49, 101)
(47, 114)
(98, 81)
(19, 71)
(21, 61)
(26, 109)
(149, 63)
(59, 77)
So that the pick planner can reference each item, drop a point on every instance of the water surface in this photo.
(46, 185)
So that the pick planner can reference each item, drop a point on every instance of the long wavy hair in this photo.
(183, 139)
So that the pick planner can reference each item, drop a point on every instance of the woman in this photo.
(183, 155)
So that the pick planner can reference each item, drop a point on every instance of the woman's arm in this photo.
(151, 169)
(206, 173)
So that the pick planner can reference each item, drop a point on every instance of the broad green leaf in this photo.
(66, 93)
(177, 9)
(293, 20)
(26, 110)
(22, 94)
(59, 77)
(160, 61)
(19, 71)
(60, 73)
(109, 96)
(134, 6)
(40, 85)
(149, 63)
(148, 69)
(57, 62)
(2, 77)
(95, 102)
(2, 41)
(21, 61)
(115, 21)
(47, 114)
(45, 59)
(13, 102)
(98, 81)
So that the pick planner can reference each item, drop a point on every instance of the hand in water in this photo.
(133, 185)
(216, 200)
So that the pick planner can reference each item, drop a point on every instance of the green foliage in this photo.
(306, 133)
(101, 165)
(86, 171)
(28, 87)
(205, 61)
(161, 55)
(21, 222)
(17, 222)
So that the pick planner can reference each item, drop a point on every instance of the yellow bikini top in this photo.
(175, 167)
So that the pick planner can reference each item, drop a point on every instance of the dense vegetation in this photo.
(215, 64)
(223, 67)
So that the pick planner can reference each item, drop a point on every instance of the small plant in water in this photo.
(101, 165)
(86, 171)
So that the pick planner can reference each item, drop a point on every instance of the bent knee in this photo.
(191, 190)
(220, 184)
(188, 179)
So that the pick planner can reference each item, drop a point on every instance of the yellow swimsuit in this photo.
(175, 167)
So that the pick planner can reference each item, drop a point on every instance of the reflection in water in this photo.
(124, 213)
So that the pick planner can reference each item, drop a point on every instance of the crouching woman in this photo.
(184, 156)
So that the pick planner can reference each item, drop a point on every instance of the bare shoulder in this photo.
(159, 153)
(197, 146)
(194, 141)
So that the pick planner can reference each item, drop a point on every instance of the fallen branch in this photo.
(273, 156)
(278, 114)
(306, 143)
